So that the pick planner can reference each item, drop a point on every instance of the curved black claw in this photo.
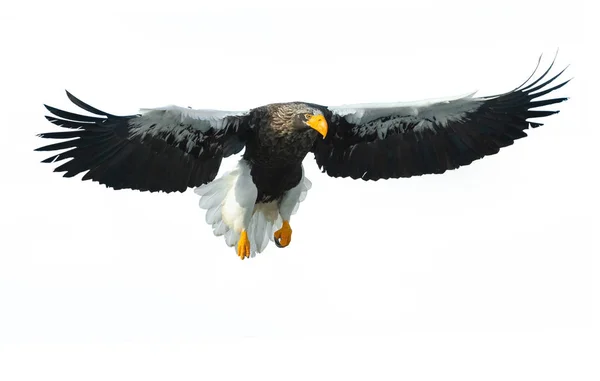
(277, 242)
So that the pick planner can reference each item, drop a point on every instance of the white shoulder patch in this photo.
(200, 119)
(380, 117)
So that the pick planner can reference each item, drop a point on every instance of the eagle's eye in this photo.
(307, 116)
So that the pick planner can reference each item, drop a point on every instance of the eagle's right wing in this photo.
(382, 141)
(162, 149)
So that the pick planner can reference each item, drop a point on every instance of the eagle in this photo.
(170, 149)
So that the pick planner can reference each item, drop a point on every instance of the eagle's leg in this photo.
(283, 236)
(238, 207)
(243, 246)
(287, 205)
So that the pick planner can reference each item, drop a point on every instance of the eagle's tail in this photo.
(223, 210)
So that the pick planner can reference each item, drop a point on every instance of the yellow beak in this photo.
(318, 123)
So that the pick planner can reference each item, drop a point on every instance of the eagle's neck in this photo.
(276, 148)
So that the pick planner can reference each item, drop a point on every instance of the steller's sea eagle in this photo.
(172, 148)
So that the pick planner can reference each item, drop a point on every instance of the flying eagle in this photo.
(173, 148)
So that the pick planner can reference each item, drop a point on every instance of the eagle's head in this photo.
(299, 117)
(307, 118)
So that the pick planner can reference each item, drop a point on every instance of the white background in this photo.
(489, 272)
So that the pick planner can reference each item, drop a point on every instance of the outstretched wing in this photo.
(380, 141)
(163, 149)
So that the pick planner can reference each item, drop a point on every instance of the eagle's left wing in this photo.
(380, 141)
(163, 149)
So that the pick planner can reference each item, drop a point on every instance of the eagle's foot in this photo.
(243, 246)
(283, 236)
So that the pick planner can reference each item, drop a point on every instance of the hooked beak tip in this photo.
(319, 124)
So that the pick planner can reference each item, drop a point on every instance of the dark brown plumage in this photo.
(172, 148)
(279, 143)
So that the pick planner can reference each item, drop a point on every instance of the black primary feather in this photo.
(408, 151)
(106, 147)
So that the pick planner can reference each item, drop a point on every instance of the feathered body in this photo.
(276, 149)
(268, 184)
(173, 148)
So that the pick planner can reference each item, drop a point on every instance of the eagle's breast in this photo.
(276, 150)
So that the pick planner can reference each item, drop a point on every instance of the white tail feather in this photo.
(219, 228)
(226, 206)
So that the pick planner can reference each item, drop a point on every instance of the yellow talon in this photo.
(283, 236)
(243, 246)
